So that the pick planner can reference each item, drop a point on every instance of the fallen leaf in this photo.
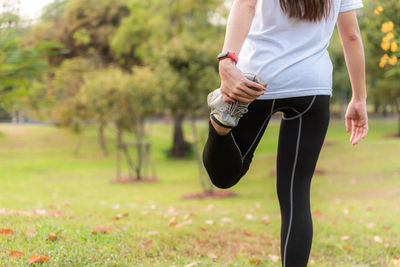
(265, 219)
(226, 220)
(52, 206)
(249, 216)
(345, 237)
(173, 221)
(148, 243)
(16, 254)
(30, 232)
(120, 216)
(203, 229)
(255, 260)
(247, 233)
(152, 233)
(35, 259)
(212, 255)
(101, 228)
(317, 213)
(370, 225)
(191, 264)
(188, 221)
(346, 211)
(171, 210)
(209, 222)
(273, 258)
(52, 237)
(6, 231)
(187, 216)
(116, 206)
(386, 227)
(348, 248)
(378, 239)
(209, 207)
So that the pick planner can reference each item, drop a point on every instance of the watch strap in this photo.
(231, 55)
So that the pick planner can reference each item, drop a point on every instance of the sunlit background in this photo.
(103, 120)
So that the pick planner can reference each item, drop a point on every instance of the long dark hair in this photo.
(310, 10)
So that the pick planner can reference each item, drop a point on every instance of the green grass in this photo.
(357, 197)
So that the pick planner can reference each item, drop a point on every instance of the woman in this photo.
(284, 43)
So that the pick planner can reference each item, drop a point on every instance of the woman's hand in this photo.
(235, 86)
(356, 119)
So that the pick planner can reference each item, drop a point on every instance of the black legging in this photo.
(303, 128)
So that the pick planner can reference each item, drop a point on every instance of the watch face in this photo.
(223, 54)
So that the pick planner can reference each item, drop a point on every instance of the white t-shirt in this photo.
(290, 54)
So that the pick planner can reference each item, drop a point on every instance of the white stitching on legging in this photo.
(291, 190)
(262, 126)
(300, 114)
(237, 146)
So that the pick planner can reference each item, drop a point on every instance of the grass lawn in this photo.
(45, 188)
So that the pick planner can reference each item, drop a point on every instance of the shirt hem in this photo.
(297, 93)
(350, 7)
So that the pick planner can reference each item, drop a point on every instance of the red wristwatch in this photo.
(231, 55)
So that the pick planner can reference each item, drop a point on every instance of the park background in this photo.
(104, 116)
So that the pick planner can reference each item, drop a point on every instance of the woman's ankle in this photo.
(219, 129)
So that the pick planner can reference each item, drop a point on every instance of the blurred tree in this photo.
(19, 64)
(382, 25)
(113, 96)
(185, 61)
(83, 27)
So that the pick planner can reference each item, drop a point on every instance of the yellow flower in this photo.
(394, 47)
(388, 37)
(380, 8)
(393, 60)
(385, 45)
(384, 60)
(387, 27)
(376, 12)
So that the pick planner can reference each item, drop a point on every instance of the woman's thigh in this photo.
(301, 136)
(251, 127)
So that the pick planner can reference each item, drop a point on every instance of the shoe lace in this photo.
(238, 108)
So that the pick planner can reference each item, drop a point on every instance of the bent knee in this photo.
(224, 182)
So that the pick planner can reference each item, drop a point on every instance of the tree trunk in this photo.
(78, 145)
(205, 183)
(118, 154)
(384, 112)
(102, 140)
(180, 147)
(398, 127)
(376, 107)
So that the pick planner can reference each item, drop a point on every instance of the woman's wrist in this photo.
(359, 99)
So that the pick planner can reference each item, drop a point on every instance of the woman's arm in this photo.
(234, 86)
(356, 114)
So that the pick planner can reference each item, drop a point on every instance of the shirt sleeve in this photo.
(347, 5)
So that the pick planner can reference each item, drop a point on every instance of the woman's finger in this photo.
(255, 85)
(347, 122)
(226, 98)
(352, 131)
(246, 91)
(357, 136)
